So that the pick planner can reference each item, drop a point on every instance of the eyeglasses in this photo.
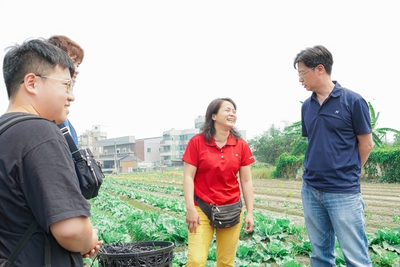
(69, 83)
(301, 74)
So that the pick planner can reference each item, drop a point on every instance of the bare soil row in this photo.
(282, 199)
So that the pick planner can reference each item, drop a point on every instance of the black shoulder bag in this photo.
(88, 170)
(224, 216)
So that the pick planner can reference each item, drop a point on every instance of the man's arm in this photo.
(365, 145)
(75, 234)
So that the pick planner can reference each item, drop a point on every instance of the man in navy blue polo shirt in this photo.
(337, 123)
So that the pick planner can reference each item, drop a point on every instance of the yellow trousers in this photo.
(226, 243)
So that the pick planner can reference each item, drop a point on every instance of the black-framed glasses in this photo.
(301, 74)
(69, 83)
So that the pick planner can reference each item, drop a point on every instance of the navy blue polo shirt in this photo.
(332, 162)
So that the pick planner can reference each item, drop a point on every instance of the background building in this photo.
(173, 145)
(91, 138)
(113, 150)
(128, 154)
(148, 150)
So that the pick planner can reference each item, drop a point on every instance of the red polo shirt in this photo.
(216, 179)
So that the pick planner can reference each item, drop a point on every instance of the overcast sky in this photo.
(151, 66)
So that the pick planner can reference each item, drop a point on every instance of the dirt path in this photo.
(282, 198)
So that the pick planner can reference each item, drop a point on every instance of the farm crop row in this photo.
(276, 241)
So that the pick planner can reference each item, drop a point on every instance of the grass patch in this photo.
(262, 171)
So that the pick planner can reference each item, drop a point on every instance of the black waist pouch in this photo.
(223, 216)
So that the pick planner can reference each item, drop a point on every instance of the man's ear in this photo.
(30, 83)
(321, 69)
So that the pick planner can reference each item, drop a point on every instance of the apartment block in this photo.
(173, 145)
(90, 139)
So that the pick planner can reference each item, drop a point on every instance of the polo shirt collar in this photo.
(336, 91)
(231, 141)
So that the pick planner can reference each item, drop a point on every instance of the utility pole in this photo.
(172, 150)
(115, 156)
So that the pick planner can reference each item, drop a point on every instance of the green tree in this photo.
(378, 134)
(299, 143)
(270, 145)
(396, 142)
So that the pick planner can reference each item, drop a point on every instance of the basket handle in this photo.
(95, 258)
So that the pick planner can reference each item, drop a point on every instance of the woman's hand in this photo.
(249, 223)
(192, 219)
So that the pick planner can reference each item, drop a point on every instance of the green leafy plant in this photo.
(383, 164)
(378, 133)
(287, 165)
(274, 240)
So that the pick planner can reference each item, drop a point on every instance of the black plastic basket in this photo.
(137, 254)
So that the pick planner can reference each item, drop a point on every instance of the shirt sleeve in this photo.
(191, 154)
(51, 185)
(248, 157)
(361, 117)
(303, 125)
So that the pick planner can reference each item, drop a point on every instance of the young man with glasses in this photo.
(337, 123)
(76, 53)
(37, 176)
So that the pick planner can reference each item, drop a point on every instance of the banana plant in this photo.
(378, 133)
(300, 144)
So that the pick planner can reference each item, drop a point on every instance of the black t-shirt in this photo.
(37, 181)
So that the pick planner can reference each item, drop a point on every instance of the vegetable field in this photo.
(150, 206)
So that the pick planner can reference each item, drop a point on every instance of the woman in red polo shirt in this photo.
(212, 160)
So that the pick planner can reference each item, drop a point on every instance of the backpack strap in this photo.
(21, 244)
(71, 144)
(7, 123)
(47, 252)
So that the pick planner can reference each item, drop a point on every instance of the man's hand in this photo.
(93, 251)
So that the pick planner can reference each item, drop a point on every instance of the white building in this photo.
(90, 139)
